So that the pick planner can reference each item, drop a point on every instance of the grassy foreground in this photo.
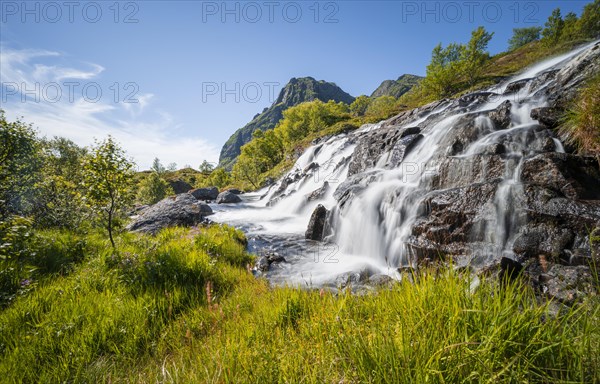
(182, 307)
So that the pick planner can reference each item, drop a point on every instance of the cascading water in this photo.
(372, 229)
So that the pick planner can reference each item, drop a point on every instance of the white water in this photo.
(371, 231)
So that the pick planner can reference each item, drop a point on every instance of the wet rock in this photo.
(569, 284)
(228, 198)
(264, 263)
(235, 191)
(516, 86)
(465, 131)
(316, 224)
(209, 193)
(179, 186)
(511, 269)
(575, 177)
(182, 210)
(475, 98)
(310, 167)
(373, 145)
(318, 193)
(501, 115)
(380, 280)
(549, 239)
(351, 279)
(548, 117)
(353, 185)
(463, 171)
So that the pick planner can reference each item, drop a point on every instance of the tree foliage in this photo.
(359, 105)
(522, 36)
(20, 164)
(457, 64)
(107, 179)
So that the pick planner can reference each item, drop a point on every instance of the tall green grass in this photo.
(182, 307)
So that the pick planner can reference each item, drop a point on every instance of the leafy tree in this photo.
(157, 167)
(310, 117)
(570, 30)
(59, 202)
(153, 189)
(246, 171)
(206, 167)
(382, 107)
(443, 70)
(553, 28)
(172, 167)
(220, 178)
(20, 164)
(359, 105)
(522, 36)
(107, 178)
(589, 22)
(474, 55)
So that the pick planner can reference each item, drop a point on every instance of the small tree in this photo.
(153, 189)
(554, 27)
(206, 168)
(522, 36)
(157, 167)
(359, 105)
(589, 22)
(474, 55)
(107, 179)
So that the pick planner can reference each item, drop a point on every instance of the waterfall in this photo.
(373, 230)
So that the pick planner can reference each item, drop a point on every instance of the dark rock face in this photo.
(370, 148)
(316, 224)
(182, 209)
(548, 117)
(179, 186)
(318, 193)
(516, 86)
(264, 263)
(575, 177)
(209, 193)
(228, 198)
(501, 115)
(235, 191)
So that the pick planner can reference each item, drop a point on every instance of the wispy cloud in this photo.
(144, 132)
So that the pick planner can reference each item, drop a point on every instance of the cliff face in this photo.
(296, 91)
(397, 87)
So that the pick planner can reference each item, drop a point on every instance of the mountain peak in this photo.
(398, 87)
(296, 91)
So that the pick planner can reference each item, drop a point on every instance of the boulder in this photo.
(396, 141)
(548, 117)
(516, 86)
(180, 210)
(228, 198)
(575, 177)
(209, 193)
(316, 224)
(264, 263)
(318, 193)
(235, 191)
(179, 186)
(501, 115)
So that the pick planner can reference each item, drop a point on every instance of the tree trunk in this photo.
(110, 215)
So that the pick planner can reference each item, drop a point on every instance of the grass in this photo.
(581, 124)
(182, 307)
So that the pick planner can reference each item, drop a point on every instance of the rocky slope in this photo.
(482, 180)
(396, 88)
(297, 90)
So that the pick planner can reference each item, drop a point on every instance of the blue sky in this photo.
(174, 79)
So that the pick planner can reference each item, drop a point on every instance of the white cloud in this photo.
(145, 133)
